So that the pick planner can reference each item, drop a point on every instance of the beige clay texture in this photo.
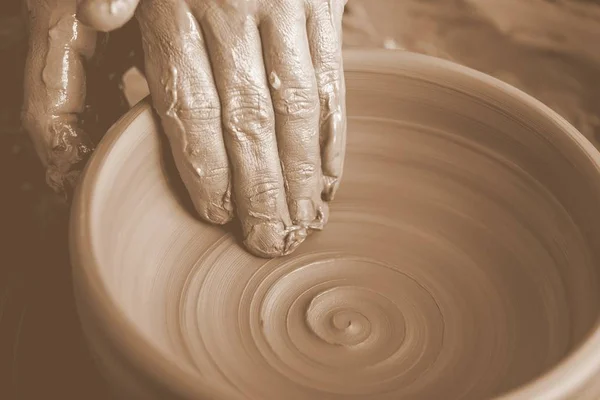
(460, 256)
(460, 260)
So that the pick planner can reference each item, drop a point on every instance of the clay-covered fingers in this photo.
(106, 15)
(325, 38)
(295, 100)
(185, 97)
(55, 90)
(269, 107)
(234, 45)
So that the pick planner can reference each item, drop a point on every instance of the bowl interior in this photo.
(460, 260)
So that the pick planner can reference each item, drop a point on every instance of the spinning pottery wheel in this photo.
(460, 260)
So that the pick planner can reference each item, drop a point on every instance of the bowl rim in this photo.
(563, 381)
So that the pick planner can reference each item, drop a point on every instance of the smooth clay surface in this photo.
(460, 260)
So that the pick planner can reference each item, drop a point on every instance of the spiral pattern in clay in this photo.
(453, 265)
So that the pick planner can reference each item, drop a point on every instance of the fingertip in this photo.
(215, 213)
(330, 187)
(322, 215)
(320, 220)
(309, 215)
(219, 215)
(332, 132)
(62, 183)
(294, 239)
(266, 240)
(302, 211)
(106, 15)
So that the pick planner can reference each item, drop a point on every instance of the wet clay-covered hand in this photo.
(251, 97)
(55, 89)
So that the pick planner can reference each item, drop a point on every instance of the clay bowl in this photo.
(460, 260)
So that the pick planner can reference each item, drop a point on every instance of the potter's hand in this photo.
(55, 89)
(249, 92)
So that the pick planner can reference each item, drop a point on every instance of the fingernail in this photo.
(320, 220)
(303, 212)
(266, 240)
(227, 204)
(219, 211)
(297, 234)
(322, 217)
(330, 187)
(293, 239)
(218, 215)
(331, 148)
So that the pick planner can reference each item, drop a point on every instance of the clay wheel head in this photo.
(460, 261)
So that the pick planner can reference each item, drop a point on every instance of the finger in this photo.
(185, 97)
(235, 52)
(106, 15)
(325, 37)
(55, 90)
(296, 105)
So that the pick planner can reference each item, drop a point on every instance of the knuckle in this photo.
(213, 176)
(36, 120)
(57, 134)
(208, 174)
(200, 111)
(193, 150)
(329, 78)
(248, 115)
(261, 194)
(296, 101)
(300, 172)
(199, 106)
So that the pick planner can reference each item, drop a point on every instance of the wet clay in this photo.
(251, 97)
(460, 260)
(55, 89)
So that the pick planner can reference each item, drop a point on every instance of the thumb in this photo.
(106, 15)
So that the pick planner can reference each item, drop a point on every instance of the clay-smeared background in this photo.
(547, 48)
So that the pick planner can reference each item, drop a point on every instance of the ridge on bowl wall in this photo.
(460, 260)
